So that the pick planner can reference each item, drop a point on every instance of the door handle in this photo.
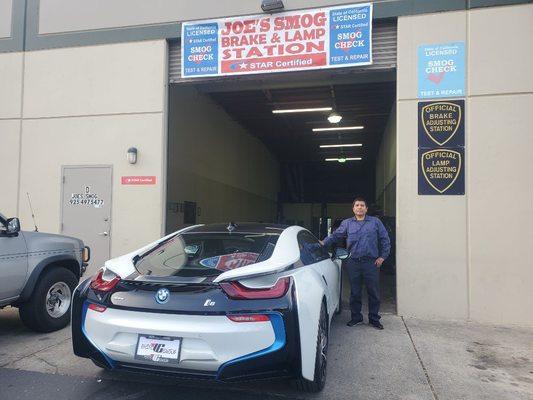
(104, 233)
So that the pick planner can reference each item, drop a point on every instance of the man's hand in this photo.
(379, 261)
(321, 242)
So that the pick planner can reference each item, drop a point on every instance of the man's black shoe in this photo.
(376, 324)
(353, 322)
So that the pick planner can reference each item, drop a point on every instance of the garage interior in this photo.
(236, 154)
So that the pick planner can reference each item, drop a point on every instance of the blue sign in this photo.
(200, 49)
(350, 35)
(441, 70)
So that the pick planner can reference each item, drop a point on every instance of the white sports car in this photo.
(233, 302)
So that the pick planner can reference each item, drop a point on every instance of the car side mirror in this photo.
(13, 226)
(341, 253)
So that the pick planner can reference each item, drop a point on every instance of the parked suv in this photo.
(38, 274)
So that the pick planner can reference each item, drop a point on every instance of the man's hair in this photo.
(359, 199)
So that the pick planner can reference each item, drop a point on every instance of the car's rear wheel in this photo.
(321, 360)
(48, 308)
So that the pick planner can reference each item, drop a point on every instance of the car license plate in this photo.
(159, 349)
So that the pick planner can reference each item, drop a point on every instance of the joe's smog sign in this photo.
(441, 148)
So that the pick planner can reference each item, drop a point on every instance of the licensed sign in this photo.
(441, 70)
(330, 37)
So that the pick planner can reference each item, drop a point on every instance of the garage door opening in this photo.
(235, 155)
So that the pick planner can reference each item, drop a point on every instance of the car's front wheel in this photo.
(48, 308)
(321, 360)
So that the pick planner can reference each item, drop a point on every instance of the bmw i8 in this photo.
(225, 302)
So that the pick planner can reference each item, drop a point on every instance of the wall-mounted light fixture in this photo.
(271, 6)
(132, 155)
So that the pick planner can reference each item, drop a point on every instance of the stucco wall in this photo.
(87, 106)
(216, 163)
(461, 257)
(11, 65)
(78, 15)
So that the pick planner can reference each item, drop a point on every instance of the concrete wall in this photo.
(462, 257)
(386, 168)
(216, 163)
(11, 65)
(86, 106)
(78, 15)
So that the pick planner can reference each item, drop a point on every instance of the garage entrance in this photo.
(262, 148)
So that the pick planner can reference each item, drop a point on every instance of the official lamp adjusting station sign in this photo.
(441, 147)
(330, 37)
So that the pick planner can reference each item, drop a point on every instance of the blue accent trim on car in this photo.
(279, 342)
(83, 315)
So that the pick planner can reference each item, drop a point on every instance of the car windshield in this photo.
(206, 254)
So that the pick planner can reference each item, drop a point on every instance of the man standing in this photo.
(369, 245)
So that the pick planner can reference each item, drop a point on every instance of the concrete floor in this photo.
(410, 359)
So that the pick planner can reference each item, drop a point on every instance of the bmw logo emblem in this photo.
(162, 295)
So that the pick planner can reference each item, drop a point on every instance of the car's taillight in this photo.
(236, 290)
(249, 318)
(97, 307)
(104, 285)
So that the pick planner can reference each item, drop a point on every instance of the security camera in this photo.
(271, 6)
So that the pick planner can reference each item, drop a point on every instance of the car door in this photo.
(313, 254)
(13, 263)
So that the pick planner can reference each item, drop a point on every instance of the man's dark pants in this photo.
(359, 270)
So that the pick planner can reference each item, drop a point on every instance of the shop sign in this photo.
(442, 170)
(441, 147)
(441, 123)
(138, 180)
(86, 198)
(441, 70)
(332, 37)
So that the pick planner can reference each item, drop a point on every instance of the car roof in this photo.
(239, 227)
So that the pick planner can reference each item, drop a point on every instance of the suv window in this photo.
(206, 254)
(311, 251)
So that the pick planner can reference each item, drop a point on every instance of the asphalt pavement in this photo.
(410, 359)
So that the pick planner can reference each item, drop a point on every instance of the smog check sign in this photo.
(332, 37)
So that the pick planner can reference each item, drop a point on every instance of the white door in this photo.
(86, 210)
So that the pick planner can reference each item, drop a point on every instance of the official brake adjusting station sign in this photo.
(332, 37)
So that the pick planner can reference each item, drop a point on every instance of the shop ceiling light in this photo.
(334, 118)
(338, 128)
(299, 110)
(326, 146)
(344, 159)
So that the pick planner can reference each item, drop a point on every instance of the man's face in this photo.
(360, 209)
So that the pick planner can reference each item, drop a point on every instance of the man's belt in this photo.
(363, 259)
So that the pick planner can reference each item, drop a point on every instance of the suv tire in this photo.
(56, 285)
(322, 339)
